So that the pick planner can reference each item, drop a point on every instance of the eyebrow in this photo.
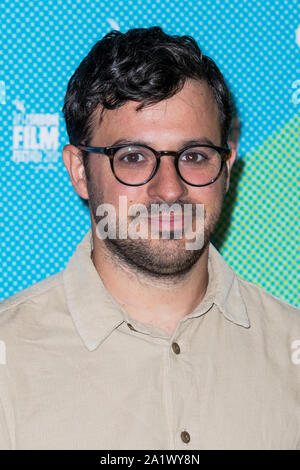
(184, 143)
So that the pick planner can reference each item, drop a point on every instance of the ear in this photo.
(73, 162)
(230, 161)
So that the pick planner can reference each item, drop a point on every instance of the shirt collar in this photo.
(96, 313)
(224, 289)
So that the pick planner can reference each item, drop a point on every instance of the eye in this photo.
(193, 157)
(132, 158)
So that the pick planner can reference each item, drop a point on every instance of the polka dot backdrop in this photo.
(256, 44)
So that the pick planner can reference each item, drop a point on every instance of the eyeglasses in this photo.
(135, 165)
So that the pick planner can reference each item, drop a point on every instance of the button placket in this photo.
(184, 435)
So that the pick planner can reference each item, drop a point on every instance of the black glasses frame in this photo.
(111, 151)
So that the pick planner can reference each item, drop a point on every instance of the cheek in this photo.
(206, 194)
(113, 190)
(211, 196)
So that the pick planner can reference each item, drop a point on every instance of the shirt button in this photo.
(176, 348)
(185, 437)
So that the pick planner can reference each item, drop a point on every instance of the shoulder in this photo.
(38, 297)
(264, 307)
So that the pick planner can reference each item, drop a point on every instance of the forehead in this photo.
(190, 112)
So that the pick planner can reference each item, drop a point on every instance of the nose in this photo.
(166, 185)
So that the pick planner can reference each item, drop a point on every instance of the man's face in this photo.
(191, 114)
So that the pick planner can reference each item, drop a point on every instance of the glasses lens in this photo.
(199, 165)
(134, 164)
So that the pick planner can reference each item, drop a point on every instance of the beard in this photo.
(166, 259)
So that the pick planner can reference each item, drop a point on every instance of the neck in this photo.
(160, 302)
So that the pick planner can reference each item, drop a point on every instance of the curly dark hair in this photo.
(144, 65)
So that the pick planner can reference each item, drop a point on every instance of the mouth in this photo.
(166, 222)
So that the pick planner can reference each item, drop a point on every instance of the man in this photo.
(142, 343)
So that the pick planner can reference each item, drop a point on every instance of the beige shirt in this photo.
(77, 373)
